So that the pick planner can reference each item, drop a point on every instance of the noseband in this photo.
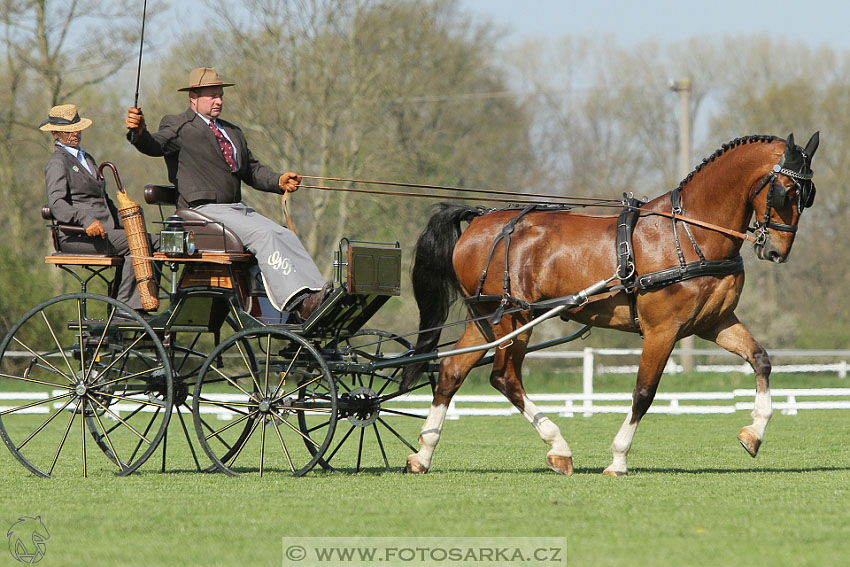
(777, 195)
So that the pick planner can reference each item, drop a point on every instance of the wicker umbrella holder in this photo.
(134, 225)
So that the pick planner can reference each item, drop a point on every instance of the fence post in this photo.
(587, 381)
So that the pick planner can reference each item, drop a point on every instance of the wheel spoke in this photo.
(64, 437)
(34, 381)
(243, 444)
(44, 360)
(262, 444)
(57, 343)
(124, 423)
(43, 425)
(186, 434)
(360, 449)
(83, 436)
(96, 355)
(402, 413)
(231, 424)
(145, 432)
(296, 430)
(232, 382)
(117, 459)
(381, 445)
(35, 403)
(338, 445)
(283, 446)
(286, 373)
(397, 434)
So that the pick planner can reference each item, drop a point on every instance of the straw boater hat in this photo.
(64, 118)
(204, 77)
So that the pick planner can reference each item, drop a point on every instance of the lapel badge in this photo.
(76, 169)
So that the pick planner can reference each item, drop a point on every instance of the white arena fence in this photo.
(587, 403)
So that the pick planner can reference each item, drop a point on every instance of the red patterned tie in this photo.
(225, 145)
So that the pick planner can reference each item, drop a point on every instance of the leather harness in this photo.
(794, 164)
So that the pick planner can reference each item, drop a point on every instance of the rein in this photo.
(591, 200)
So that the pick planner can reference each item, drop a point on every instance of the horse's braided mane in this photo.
(763, 138)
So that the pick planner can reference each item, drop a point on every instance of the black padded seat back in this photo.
(160, 195)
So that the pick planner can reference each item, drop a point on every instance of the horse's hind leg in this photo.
(453, 372)
(507, 378)
(735, 338)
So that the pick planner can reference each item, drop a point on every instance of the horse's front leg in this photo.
(656, 351)
(734, 337)
(453, 371)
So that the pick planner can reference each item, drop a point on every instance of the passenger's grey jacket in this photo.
(76, 196)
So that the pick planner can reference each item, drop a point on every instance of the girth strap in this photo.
(688, 271)
(626, 271)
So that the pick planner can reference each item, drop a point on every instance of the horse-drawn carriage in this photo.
(274, 394)
(214, 369)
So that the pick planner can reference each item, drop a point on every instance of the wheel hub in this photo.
(364, 405)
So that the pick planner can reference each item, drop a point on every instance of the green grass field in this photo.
(693, 497)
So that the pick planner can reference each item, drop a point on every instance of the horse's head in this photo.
(790, 190)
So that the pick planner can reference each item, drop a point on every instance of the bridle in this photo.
(795, 165)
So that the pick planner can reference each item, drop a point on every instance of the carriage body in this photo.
(261, 390)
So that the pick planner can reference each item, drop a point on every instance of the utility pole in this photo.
(683, 87)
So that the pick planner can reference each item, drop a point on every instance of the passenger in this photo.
(208, 159)
(76, 195)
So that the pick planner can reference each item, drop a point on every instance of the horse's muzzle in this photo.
(768, 252)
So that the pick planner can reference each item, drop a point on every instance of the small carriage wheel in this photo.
(187, 353)
(370, 430)
(70, 357)
(261, 403)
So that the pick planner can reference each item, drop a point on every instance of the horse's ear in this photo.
(812, 146)
(789, 142)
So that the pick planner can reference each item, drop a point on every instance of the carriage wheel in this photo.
(70, 357)
(187, 353)
(260, 403)
(373, 430)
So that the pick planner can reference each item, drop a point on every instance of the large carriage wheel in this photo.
(261, 402)
(373, 429)
(71, 357)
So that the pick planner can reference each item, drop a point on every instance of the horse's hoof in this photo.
(414, 466)
(611, 472)
(560, 464)
(749, 441)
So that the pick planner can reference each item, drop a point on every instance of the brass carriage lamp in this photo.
(174, 240)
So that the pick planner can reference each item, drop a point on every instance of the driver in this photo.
(208, 159)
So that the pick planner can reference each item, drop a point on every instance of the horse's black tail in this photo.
(435, 284)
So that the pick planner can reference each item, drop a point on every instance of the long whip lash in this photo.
(141, 47)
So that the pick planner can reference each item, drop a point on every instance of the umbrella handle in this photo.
(114, 169)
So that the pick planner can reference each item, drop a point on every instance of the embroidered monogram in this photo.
(278, 262)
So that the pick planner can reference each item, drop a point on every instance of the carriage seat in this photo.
(61, 258)
(210, 235)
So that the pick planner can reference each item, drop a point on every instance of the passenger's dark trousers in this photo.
(115, 244)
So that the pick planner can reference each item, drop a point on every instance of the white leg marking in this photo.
(430, 434)
(547, 430)
(621, 445)
(762, 412)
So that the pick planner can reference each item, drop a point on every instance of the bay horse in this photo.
(679, 274)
